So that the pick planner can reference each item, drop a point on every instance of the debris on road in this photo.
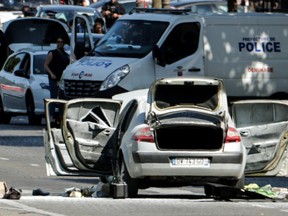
(251, 191)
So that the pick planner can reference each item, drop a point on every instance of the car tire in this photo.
(240, 183)
(32, 117)
(5, 118)
(132, 184)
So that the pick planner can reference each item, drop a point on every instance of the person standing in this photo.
(55, 63)
(111, 11)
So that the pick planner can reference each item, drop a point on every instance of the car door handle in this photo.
(194, 69)
(244, 133)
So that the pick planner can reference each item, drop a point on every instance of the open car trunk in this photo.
(184, 113)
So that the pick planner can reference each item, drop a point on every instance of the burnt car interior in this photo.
(92, 127)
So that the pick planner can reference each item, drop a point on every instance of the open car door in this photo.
(263, 126)
(84, 141)
(81, 42)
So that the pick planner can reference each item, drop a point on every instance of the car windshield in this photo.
(38, 65)
(130, 38)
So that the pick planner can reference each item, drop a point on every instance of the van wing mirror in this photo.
(159, 56)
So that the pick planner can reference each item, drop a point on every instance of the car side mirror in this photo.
(21, 73)
(159, 56)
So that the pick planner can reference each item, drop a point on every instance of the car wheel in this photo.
(32, 117)
(4, 117)
(132, 184)
(240, 183)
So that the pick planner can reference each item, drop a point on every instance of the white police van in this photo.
(248, 51)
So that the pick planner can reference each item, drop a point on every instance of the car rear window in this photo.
(35, 31)
(205, 96)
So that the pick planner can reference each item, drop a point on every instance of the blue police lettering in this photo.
(260, 47)
(94, 63)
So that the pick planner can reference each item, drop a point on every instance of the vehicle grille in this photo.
(189, 138)
(81, 88)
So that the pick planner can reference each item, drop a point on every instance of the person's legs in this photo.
(53, 94)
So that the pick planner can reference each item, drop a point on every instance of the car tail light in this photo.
(232, 135)
(144, 134)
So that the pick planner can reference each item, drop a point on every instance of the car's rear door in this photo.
(263, 125)
(83, 142)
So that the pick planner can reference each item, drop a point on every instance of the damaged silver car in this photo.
(177, 133)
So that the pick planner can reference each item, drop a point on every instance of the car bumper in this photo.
(143, 163)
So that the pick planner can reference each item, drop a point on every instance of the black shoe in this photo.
(39, 192)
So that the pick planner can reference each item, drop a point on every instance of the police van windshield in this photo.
(129, 38)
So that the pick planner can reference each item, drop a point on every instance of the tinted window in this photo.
(14, 63)
(38, 65)
(181, 42)
(36, 31)
(173, 95)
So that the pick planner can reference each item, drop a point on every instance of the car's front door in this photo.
(83, 141)
(13, 86)
(263, 125)
(81, 42)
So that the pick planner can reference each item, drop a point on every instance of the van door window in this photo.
(181, 42)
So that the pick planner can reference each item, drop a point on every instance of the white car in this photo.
(24, 86)
(177, 133)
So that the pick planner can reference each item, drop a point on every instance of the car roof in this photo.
(34, 51)
(65, 13)
(188, 2)
(127, 4)
(65, 7)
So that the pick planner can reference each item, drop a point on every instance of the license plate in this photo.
(192, 162)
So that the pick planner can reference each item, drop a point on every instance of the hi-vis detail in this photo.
(248, 51)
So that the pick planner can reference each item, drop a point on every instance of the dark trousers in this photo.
(53, 94)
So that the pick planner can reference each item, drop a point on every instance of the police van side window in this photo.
(181, 42)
